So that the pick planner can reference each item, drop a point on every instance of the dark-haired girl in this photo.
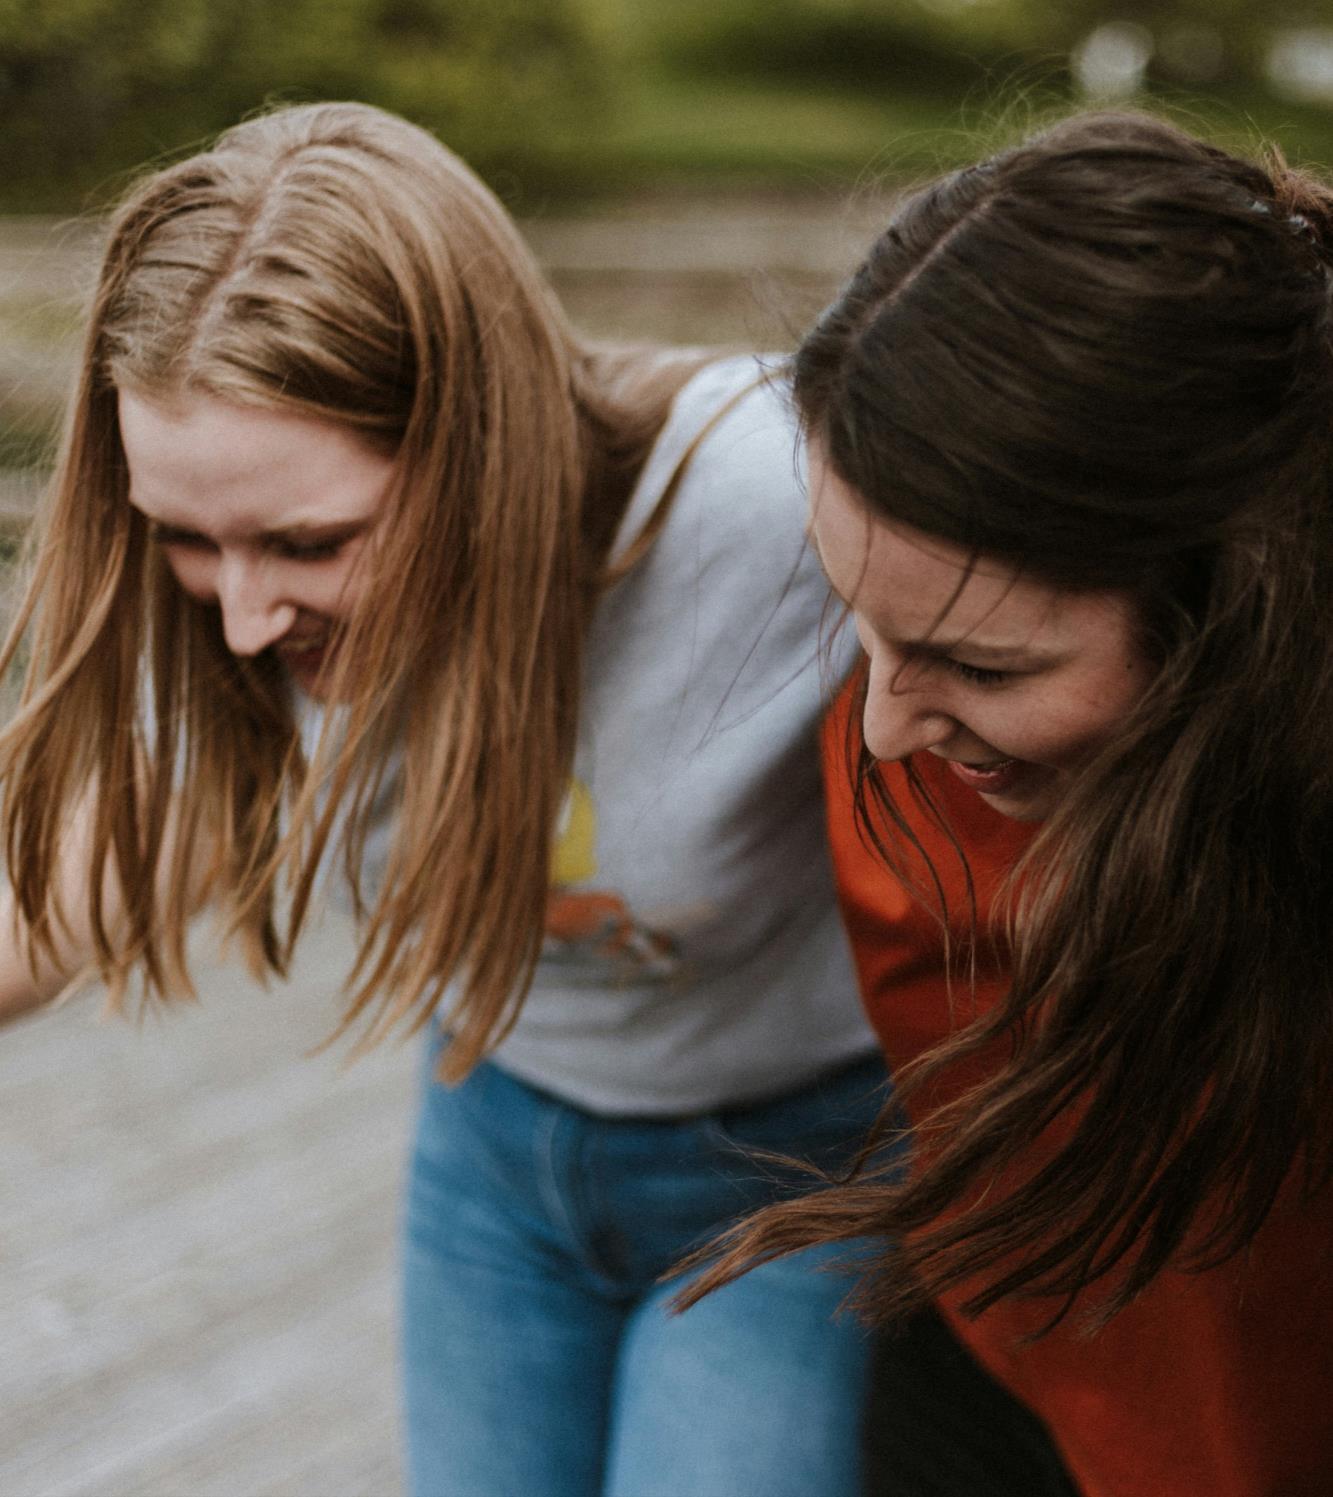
(1071, 433)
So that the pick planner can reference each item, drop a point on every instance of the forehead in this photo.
(881, 567)
(911, 587)
(195, 456)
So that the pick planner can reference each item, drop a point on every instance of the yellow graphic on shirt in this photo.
(574, 857)
(594, 930)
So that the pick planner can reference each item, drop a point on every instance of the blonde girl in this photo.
(359, 568)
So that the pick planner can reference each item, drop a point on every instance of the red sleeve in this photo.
(1217, 1384)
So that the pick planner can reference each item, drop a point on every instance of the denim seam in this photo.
(565, 1205)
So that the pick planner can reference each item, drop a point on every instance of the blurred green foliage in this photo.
(859, 44)
(571, 95)
(89, 88)
(946, 44)
(1226, 38)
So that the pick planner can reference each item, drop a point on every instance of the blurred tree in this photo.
(1218, 43)
(89, 88)
(865, 44)
(873, 44)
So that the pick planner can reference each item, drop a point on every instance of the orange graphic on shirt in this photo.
(594, 929)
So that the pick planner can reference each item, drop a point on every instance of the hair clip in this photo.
(1297, 223)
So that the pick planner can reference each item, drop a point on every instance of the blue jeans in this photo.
(539, 1356)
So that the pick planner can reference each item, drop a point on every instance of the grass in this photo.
(693, 128)
(707, 132)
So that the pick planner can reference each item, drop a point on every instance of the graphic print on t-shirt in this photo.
(591, 934)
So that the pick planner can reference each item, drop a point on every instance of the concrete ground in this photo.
(196, 1247)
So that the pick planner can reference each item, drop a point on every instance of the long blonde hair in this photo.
(334, 261)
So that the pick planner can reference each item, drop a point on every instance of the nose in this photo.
(254, 614)
(900, 719)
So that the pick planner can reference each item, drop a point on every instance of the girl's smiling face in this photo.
(264, 514)
(1014, 683)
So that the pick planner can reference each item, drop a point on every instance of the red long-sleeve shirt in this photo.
(1217, 1384)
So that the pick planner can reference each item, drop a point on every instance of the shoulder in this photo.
(745, 396)
(733, 424)
(727, 462)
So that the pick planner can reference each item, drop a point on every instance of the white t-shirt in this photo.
(695, 956)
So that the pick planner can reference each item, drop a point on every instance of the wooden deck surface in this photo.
(196, 1248)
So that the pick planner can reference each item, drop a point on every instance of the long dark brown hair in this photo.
(1104, 358)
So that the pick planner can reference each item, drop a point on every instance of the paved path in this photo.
(196, 1247)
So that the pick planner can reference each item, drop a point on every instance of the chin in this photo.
(1028, 803)
(317, 690)
(1019, 812)
(310, 683)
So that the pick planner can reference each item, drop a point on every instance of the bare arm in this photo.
(22, 989)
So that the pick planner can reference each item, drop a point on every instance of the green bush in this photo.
(865, 45)
(90, 88)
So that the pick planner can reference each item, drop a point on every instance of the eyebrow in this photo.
(937, 649)
(976, 649)
(308, 531)
(947, 649)
(302, 530)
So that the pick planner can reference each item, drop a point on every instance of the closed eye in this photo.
(976, 674)
(320, 550)
(170, 535)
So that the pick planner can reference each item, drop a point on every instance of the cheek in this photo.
(1094, 712)
(341, 589)
(197, 574)
(863, 633)
(333, 590)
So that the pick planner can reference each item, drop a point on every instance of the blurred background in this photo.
(576, 96)
(197, 1218)
(716, 138)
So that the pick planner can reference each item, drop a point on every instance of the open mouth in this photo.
(304, 656)
(991, 778)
